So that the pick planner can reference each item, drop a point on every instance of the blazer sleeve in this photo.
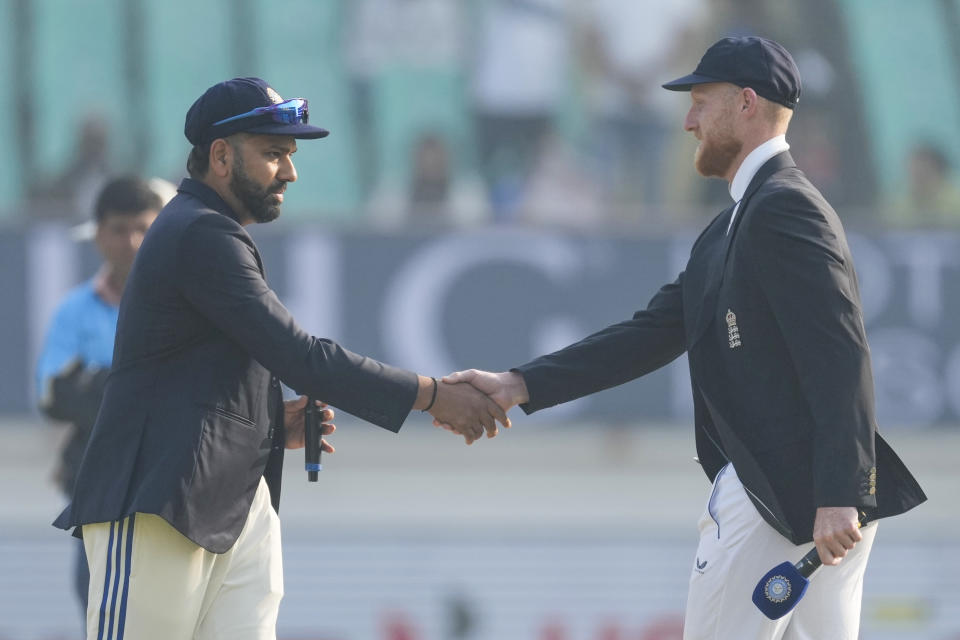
(804, 270)
(219, 274)
(622, 352)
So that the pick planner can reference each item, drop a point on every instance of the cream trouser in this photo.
(737, 547)
(149, 582)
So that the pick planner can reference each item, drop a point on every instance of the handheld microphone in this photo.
(312, 439)
(780, 589)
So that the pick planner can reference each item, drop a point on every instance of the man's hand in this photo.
(507, 389)
(294, 421)
(835, 532)
(464, 410)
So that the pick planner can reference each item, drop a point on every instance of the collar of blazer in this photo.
(714, 277)
(207, 196)
(782, 160)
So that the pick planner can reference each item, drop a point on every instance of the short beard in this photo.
(713, 158)
(258, 201)
(717, 151)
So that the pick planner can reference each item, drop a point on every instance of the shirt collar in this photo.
(752, 163)
(207, 195)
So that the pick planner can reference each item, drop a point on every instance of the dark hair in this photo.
(198, 162)
(127, 196)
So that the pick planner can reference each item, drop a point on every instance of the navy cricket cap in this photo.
(758, 63)
(238, 97)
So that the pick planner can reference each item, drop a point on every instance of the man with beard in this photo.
(177, 494)
(768, 312)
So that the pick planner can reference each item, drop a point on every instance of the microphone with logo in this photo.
(312, 439)
(780, 589)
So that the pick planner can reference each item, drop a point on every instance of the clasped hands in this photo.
(468, 403)
(472, 402)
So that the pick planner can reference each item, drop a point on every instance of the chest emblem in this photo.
(733, 331)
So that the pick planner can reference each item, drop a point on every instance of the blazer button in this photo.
(274, 382)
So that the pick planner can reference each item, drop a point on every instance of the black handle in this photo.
(312, 439)
(809, 563)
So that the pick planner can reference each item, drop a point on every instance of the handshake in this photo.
(471, 402)
(468, 403)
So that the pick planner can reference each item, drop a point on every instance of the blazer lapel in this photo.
(716, 257)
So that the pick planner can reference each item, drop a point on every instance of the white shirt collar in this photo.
(752, 163)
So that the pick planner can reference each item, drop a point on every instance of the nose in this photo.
(287, 172)
(689, 122)
(136, 239)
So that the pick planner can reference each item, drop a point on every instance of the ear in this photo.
(749, 101)
(221, 158)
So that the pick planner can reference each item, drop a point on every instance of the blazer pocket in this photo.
(230, 415)
(229, 458)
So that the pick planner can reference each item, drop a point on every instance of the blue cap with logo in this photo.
(758, 63)
(247, 105)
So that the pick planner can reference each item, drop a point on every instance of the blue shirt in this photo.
(83, 327)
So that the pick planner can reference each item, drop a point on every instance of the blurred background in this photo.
(503, 177)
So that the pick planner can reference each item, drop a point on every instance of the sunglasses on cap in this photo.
(293, 111)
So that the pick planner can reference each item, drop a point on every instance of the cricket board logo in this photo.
(777, 589)
(274, 96)
(733, 331)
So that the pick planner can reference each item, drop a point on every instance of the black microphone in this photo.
(312, 439)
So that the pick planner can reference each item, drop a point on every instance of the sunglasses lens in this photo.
(290, 112)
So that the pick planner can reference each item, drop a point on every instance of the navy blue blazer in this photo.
(770, 317)
(192, 413)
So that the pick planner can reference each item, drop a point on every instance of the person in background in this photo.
(932, 198)
(78, 348)
(71, 194)
(436, 193)
(518, 81)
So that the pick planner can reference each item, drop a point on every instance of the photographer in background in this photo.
(78, 347)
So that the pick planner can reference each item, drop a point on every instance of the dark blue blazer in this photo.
(770, 317)
(192, 412)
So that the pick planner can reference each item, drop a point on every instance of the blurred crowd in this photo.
(550, 112)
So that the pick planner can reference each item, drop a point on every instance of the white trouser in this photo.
(149, 582)
(737, 547)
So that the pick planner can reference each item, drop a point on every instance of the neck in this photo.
(110, 282)
(750, 143)
(223, 190)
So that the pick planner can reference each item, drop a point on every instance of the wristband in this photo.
(433, 398)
